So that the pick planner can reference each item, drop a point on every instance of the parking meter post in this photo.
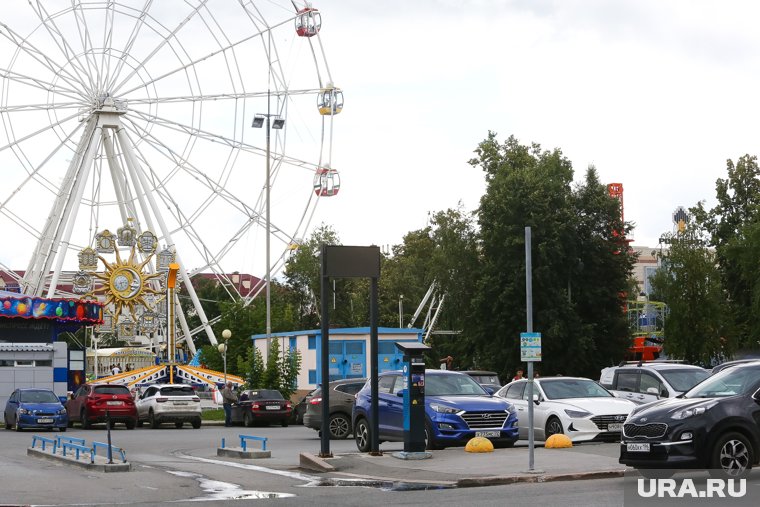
(414, 395)
(325, 357)
(374, 448)
(108, 432)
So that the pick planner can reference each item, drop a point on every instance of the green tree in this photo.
(290, 368)
(698, 325)
(272, 378)
(253, 368)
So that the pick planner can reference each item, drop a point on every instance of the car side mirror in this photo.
(653, 390)
(400, 393)
(489, 390)
(536, 399)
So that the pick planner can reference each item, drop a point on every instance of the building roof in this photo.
(344, 331)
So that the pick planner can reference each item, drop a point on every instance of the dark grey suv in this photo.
(341, 403)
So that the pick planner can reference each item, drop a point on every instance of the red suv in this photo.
(91, 401)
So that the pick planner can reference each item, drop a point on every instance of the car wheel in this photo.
(247, 419)
(196, 423)
(430, 443)
(152, 421)
(655, 473)
(18, 428)
(139, 423)
(178, 425)
(299, 418)
(70, 423)
(62, 429)
(731, 456)
(553, 427)
(7, 424)
(131, 424)
(340, 426)
(284, 423)
(85, 421)
(362, 435)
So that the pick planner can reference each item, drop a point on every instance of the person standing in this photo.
(519, 375)
(228, 398)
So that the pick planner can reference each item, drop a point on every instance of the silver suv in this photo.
(175, 403)
(647, 382)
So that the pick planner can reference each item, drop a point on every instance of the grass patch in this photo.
(214, 414)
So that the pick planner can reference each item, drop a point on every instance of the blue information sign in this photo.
(530, 347)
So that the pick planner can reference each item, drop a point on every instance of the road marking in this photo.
(283, 473)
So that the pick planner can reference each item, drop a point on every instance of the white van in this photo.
(647, 382)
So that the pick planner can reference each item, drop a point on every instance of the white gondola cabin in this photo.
(326, 182)
(330, 100)
(308, 22)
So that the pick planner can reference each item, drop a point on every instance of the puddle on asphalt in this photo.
(218, 490)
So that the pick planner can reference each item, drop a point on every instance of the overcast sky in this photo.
(656, 94)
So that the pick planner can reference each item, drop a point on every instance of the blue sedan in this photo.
(35, 408)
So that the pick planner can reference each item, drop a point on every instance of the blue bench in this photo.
(43, 441)
(118, 450)
(78, 448)
(244, 439)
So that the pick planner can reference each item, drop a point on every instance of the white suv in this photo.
(162, 403)
(647, 382)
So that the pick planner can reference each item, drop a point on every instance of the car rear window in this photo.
(177, 391)
(265, 394)
(683, 380)
(38, 397)
(111, 390)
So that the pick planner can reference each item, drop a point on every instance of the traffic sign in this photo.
(530, 347)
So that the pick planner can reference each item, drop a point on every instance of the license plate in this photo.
(180, 403)
(44, 421)
(114, 403)
(487, 434)
(637, 447)
(615, 427)
(273, 407)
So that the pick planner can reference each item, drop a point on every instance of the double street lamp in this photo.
(226, 334)
(273, 121)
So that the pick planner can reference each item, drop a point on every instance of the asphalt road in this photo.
(177, 466)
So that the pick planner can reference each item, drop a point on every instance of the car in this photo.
(575, 406)
(169, 403)
(729, 364)
(488, 379)
(261, 405)
(457, 409)
(299, 409)
(715, 426)
(95, 402)
(35, 408)
(342, 396)
(647, 382)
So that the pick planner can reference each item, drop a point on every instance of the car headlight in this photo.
(689, 412)
(61, 411)
(577, 414)
(443, 409)
(22, 410)
(512, 409)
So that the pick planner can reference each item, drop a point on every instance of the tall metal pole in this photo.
(374, 446)
(529, 325)
(324, 355)
(268, 277)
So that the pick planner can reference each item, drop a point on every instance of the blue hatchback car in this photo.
(457, 409)
(35, 408)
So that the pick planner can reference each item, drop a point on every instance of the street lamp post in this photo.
(401, 311)
(226, 334)
(277, 123)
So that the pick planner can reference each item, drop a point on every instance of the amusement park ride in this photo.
(130, 100)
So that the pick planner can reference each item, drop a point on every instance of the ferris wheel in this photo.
(138, 115)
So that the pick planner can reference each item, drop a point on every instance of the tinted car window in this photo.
(452, 385)
(350, 388)
(38, 397)
(111, 390)
(683, 380)
(649, 381)
(729, 382)
(626, 380)
(265, 394)
(515, 391)
(385, 384)
(486, 379)
(177, 391)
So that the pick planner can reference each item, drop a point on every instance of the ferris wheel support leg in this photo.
(187, 337)
(39, 266)
(126, 208)
(70, 218)
(138, 176)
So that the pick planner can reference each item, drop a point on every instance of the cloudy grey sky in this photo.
(657, 94)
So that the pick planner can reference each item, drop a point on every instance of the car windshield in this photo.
(452, 385)
(265, 394)
(38, 397)
(561, 389)
(111, 390)
(729, 382)
(685, 379)
(177, 391)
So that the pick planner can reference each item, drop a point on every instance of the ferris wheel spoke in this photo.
(66, 50)
(15, 142)
(105, 63)
(220, 96)
(133, 36)
(39, 83)
(202, 134)
(153, 53)
(40, 107)
(93, 71)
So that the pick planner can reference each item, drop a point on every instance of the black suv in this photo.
(341, 403)
(715, 425)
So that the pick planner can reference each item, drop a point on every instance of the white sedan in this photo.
(578, 407)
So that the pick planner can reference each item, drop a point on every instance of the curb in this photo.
(102, 467)
(512, 479)
(233, 452)
(314, 463)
